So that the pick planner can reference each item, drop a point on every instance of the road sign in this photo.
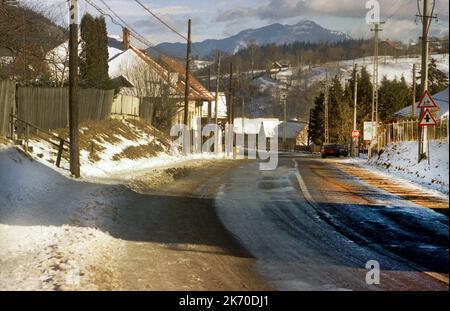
(427, 101)
(355, 134)
(427, 119)
(369, 130)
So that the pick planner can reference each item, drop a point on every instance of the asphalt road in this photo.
(312, 226)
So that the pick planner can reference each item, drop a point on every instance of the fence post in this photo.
(60, 151)
(11, 125)
(27, 137)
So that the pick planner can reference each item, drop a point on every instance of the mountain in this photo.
(305, 31)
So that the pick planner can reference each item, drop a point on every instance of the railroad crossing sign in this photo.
(355, 134)
(427, 101)
(427, 119)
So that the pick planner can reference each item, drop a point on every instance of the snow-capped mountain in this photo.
(305, 31)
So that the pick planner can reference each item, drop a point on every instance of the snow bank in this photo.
(400, 159)
(113, 140)
(48, 228)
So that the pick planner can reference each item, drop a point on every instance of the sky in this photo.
(215, 19)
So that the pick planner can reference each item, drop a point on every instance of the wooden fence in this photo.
(7, 105)
(408, 130)
(48, 107)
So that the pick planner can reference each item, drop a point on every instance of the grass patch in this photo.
(93, 135)
(139, 152)
(3, 141)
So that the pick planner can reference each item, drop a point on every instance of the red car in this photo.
(333, 150)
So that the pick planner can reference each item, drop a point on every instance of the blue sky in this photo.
(222, 18)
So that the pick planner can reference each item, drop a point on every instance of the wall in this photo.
(7, 100)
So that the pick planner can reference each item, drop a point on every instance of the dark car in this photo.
(334, 150)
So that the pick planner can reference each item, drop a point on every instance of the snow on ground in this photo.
(48, 229)
(400, 160)
(115, 158)
(388, 66)
(50, 223)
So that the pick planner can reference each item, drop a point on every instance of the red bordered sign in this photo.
(427, 101)
(427, 119)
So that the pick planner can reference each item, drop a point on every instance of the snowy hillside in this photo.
(388, 66)
(400, 159)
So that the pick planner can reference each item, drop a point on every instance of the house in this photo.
(221, 108)
(154, 82)
(296, 133)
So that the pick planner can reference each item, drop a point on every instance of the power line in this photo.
(171, 28)
(136, 35)
(161, 20)
(122, 20)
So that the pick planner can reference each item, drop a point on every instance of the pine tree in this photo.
(393, 96)
(102, 41)
(318, 121)
(94, 52)
(340, 120)
(365, 89)
(437, 79)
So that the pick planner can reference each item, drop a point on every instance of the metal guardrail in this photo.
(60, 144)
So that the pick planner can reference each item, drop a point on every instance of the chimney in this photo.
(126, 38)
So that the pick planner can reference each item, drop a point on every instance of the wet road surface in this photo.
(312, 226)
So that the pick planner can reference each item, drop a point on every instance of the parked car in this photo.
(333, 150)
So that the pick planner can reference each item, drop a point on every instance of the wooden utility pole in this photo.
(325, 104)
(187, 86)
(284, 98)
(243, 116)
(309, 127)
(427, 17)
(73, 91)
(414, 91)
(216, 105)
(355, 105)
(374, 118)
(209, 102)
(230, 96)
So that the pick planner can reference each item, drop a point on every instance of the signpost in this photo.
(427, 101)
(427, 119)
(427, 104)
(369, 131)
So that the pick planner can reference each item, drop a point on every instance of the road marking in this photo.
(309, 199)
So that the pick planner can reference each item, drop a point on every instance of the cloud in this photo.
(283, 9)
(400, 15)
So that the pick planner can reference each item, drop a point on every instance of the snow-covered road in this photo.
(320, 234)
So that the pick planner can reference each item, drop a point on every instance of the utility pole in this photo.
(414, 91)
(216, 106)
(230, 96)
(73, 91)
(325, 104)
(284, 99)
(374, 118)
(209, 102)
(309, 127)
(355, 104)
(188, 65)
(427, 17)
(243, 115)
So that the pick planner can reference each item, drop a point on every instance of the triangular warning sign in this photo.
(427, 101)
(427, 119)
